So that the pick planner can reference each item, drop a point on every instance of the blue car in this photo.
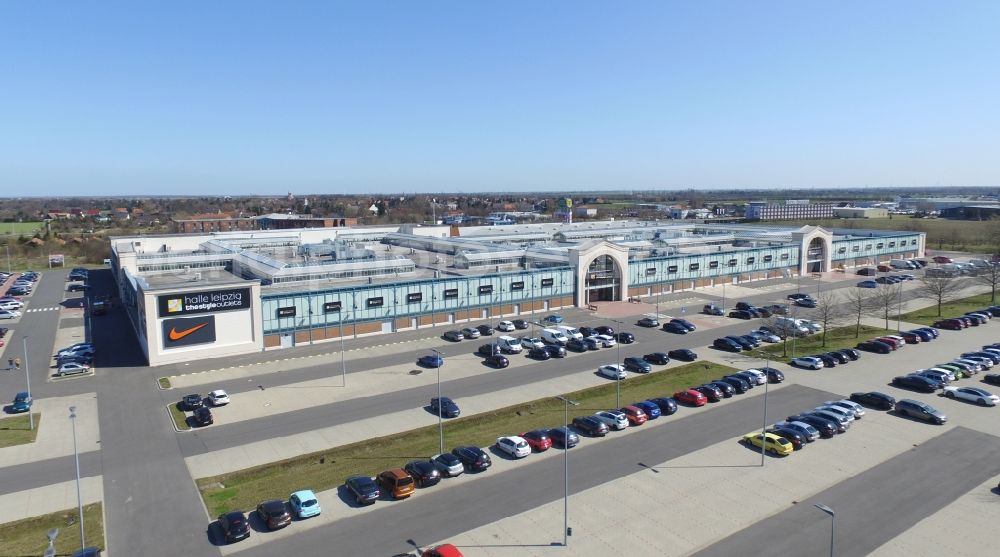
(304, 503)
(554, 318)
(22, 402)
(431, 360)
(867, 284)
(651, 409)
(667, 405)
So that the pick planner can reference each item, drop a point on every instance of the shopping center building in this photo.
(195, 296)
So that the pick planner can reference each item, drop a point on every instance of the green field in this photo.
(15, 431)
(836, 338)
(328, 469)
(27, 537)
(929, 315)
(21, 228)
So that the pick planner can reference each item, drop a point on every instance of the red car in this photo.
(446, 550)
(894, 343)
(951, 324)
(538, 440)
(942, 259)
(635, 415)
(884, 269)
(691, 396)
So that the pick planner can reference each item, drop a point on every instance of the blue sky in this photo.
(226, 97)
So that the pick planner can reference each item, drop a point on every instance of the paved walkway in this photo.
(55, 433)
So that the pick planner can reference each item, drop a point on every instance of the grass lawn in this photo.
(164, 382)
(244, 489)
(27, 537)
(836, 338)
(179, 417)
(19, 228)
(929, 315)
(14, 431)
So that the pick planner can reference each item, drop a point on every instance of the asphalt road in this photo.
(22, 477)
(446, 511)
(877, 505)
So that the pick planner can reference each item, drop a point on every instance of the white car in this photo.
(9, 314)
(808, 362)
(768, 336)
(972, 394)
(612, 371)
(848, 414)
(72, 368)
(758, 374)
(947, 372)
(82, 349)
(505, 326)
(513, 445)
(858, 410)
(813, 326)
(532, 342)
(218, 398)
(11, 305)
(613, 419)
(607, 340)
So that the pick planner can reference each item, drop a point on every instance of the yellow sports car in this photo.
(772, 443)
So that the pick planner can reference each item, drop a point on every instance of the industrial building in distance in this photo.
(195, 296)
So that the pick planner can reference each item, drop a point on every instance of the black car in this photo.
(794, 437)
(711, 392)
(805, 302)
(203, 416)
(738, 384)
(274, 514)
(726, 388)
(605, 330)
(761, 312)
(777, 309)
(748, 340)
(851, 353)
(745, 306)
(798, 295)
(588, 331)
(750, 378)
(448, 408)
(488, 350)
(773, 375)
(874, 399)
(675, 328)
(520, 324)
(728, 345)
(684, 323)
(828, 361)
(485, 330)
(625, 337)
(682, 354)
(916, 383)
(637, 364)
(235, 526)
(424, 473)
(875, 346)
(364, 489)
(667, 405)
(555, 350)
(827, 428)
(192, 402)
(755, 312)
(560, 436)
(539, 353)
(591, 426)
(76, 287)
(992, 378)
(741, 314)
(648, 322)
(658, 358)
(840, 357)
(453, 336)
(474, 458)
(497, 361)
(576, 345)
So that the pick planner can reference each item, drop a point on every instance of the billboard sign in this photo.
(187, 331)
(210, 301)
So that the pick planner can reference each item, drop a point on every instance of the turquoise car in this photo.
(22, 402)
(304, 503)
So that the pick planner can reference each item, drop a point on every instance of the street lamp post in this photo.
(440, 407)
(724, 295)
(618, 381)
(763, 429)
(343, 363)
(27, 378)
(833, 522)
(76, 456)
(566, 467)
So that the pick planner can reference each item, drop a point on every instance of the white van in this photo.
(902, 264)
(570, 332)
(509, 344)
(554, 336)
(980, 263)
(791, 326)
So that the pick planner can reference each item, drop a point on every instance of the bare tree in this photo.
(886, 298)
(989, 276)
(829, 311)
(939, 289)
(857, 303)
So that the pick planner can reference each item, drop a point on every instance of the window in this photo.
(517, 286)
(856, 248)
(286, 311)
(650, 271)
(768, 258)
(331, 307)
(375, 302)
(485, 289)
(842, 249)
(892, 244)
(913, 242)
(732, 262)
(694, 266)
(672, 269)
(868, 247)
(414, 297)
(547, 282)
(450, 293)
(784, 257)
(880, 245)
(713, 264)
(750, 260)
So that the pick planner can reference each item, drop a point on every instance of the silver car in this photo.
(448, 464)
(847, 413)
(858, 410)
(613, 419)
(837, 417)
(807, 431)
(531, 342)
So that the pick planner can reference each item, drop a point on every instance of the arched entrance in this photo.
(602, 282)
(816, 256)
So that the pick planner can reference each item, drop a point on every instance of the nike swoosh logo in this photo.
(177, 335)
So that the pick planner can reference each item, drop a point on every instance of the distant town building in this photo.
(759, 210)
(585, 212)
(940, 203)
(971, 212)
(861, 212)
(224, 222)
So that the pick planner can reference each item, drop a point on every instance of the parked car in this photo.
(726, 389)
(363, 488)
(851, 353)
(769, 442)
(727, 345)
(838, 356)
(712, 309)
(22, 402)
(474, 458)
(950, 324)
(520, 324)
(470, 332)
(624, 337)
(528, 343)
(506, 326)
(514, 446)
(192, 401)
(235, 526)
(578, 345)
(828, 361)
(683, 354)
(920, 410)
(203, 416)
(666, 405)
(806, 431)
(498, 361)
(874, 399)
(538, 440)
(485, 330)
(875, 346)
(274, 514)
(636, 416)
(651, 409)
(218, 397)
(917, 383)
(539, 354)
(773, 375)
(675, 328)
(555, 351)
(431, 360)
(563, 437)
(554, 318)
(637, 364)
(444, 550)
(304, 503)
(614, 419)
(488, 350)
(972, 394)
(590, 425)
(711, 392)
(766, 336)
(807, 362)
(607, 341)
(605, 330)
(612, 371)
(445, 407)
(826, 428)
(739, 386)
(397, 483)
(72, 368)
(648, 322)
(868, 284)
(805, 302)
(690, 396)
(453, 336)
(423, 472)
(658, 358)
(448, 465)
(740, 314)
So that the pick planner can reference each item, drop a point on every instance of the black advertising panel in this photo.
(450, 293)
(286, 311)
(519, 285)
(210, 301)
(375, 302)
(188, 331)
(331, 307)
(547, 282)
(486, 289)
(413, 297)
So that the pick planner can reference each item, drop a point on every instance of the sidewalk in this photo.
(49, 499)
(55, 433)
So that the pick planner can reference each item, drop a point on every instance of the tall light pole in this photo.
(76, 456)
(566, 467)
(440, 408)
(618, 381)
(833, 522)
(724, 295)
(343, 363)
(27, 378)
(763, 428)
